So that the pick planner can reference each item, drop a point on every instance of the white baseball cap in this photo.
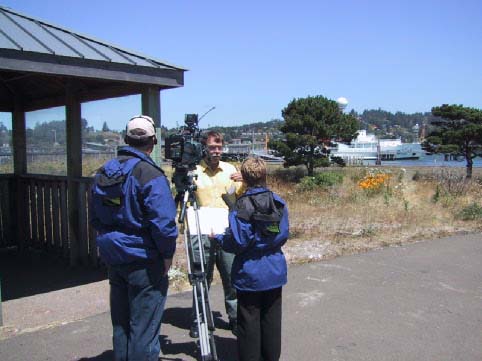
(140, 127)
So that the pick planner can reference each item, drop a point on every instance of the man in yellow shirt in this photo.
(217, 182)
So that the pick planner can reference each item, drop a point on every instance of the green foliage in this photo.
(471, 212)
(105, 127)
(245, 131)
(320, 180)
(368, 231)
(5, 135)
(436, 196)
(397, 125)
(417, 176)
(45, 134)
(406, 205)
(310, 124)
(458, 130)
(338, 161)
(386, 196)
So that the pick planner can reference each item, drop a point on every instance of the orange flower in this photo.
(374, 182)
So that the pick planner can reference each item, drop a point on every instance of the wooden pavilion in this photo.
(44, 66)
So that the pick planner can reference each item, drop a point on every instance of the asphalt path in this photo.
(417, 302)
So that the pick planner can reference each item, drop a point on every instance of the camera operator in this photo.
(217, 182)
(134, 212)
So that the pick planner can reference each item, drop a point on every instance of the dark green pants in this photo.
(213, 254)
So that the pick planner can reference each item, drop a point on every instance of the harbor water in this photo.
(433, 160)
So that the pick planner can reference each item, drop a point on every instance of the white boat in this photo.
(367, 146)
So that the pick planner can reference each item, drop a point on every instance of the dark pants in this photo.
(137, 298)
(224, 261)
(259, 325)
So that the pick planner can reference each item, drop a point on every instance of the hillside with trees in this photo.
(393, 125)
(378, 121)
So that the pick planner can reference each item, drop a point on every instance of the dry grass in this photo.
(330, 221)
(344, 219)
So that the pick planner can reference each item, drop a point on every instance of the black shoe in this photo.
(194, 332)
(233, 326)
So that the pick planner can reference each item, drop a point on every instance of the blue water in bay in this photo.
(434, 160)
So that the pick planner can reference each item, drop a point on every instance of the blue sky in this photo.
(249, 59)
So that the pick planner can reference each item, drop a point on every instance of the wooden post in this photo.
(19, 168)
(1, 312)
(74, 170)
(151, 106)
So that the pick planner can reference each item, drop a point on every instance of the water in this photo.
(434, 160)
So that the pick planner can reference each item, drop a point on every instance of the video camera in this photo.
(185, 148)
(186, 151)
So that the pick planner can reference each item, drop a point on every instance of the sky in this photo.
(249, 59)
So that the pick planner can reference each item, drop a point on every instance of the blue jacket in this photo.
(133, 209)
(259, 263)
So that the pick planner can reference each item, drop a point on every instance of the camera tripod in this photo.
(197, 274)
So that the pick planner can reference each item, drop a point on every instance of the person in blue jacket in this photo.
(134, 213)
(259, 227)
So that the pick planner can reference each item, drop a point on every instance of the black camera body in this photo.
(185, 148)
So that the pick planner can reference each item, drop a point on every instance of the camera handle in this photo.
(197, 276)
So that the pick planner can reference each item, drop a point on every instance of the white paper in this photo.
(211, 220)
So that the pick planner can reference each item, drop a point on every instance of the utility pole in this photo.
(379, 153)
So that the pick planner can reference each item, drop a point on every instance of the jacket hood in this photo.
(259, 204)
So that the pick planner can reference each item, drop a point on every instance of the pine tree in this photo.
(310, 124)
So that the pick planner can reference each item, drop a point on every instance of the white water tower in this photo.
(342, 103)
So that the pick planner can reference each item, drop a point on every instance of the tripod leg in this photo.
(198, 279)
(204, 321)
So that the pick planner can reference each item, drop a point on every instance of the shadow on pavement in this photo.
(34, 272)
(225, 346)
(180, 317)
(104, 356)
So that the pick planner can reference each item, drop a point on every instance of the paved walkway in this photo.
(417, 302)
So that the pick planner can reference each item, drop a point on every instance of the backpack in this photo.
(262, 210)
(108, 190)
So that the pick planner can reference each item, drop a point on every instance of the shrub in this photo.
(320, 180)
(417, 176)
(436, 196)
(328, 179)
(452, 182)
(294, 174)
(471, 212)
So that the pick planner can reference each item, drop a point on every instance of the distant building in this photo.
(250, 147)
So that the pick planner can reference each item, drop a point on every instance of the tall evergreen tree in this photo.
(105, 127)
(310, 124)
(457, 131)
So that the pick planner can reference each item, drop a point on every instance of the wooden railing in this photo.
(39, 216)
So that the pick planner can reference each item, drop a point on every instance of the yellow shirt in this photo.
(212, 184)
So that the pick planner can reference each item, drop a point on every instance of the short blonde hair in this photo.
(253, 170)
